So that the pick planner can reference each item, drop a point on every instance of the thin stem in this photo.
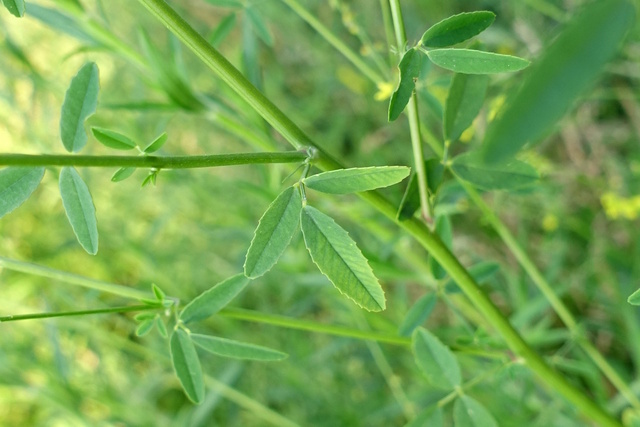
(125, 309)
(164, 162)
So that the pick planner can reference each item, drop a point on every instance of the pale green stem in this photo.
(388, 27)
(126, 309)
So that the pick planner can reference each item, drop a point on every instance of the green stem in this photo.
(164, 162)
(126, 309)
(292, 133)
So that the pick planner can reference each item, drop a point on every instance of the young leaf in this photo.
(259, 26)
(16, 7)
(113, 139)
(236, 349)
(144, 328)
(429, 418)
(480, 272)
(410, 202)
(466, 96)
(16, 185)
(560, 75)
(457, 28)
(275, 230)
(338, 258)
(222, 30)
(122, 174)
(156, 144)
(79, 103)
(159, 293)
(410, 67)
(502, 176)
(187, 365)
(468, 412)
(78, 204)
(162, 328)
(354, 180)
(468, 61)
(213, 300)
(435, 360)
(418, 314)
(443, 229)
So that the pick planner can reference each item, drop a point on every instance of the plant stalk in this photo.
(125, 309)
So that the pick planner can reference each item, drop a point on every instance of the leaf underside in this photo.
(80, 102)
(80, 210)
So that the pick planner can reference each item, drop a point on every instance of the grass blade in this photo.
(458, 28)
(80, 102)
(468, 61)
(354, 180)
(236, 349)
(503, 176)
(16, 185)
(213, 300)
(81, 212)
(435, 360)
(410, 67)
(187, 365)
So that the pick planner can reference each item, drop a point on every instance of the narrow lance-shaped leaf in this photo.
(61, 23)
(338, 258)
(634, 298)
(275, 230)
(468, 412)
(187, 365)
(354, 180)
(213, 300)
(79, 207)
(79, 103)
(156, 144)
(498, 176)
(429, 418)
(16, 185)
(480, 272)
(236, 349)
(225, 3)
(113, 139)
(222, 30)
(565, 69)
(259, 26)
(468, 61)
(418, 314)
(435, 360)
(410, 67)
(443, 229)
(122, 174)
(457, 28)
(465, 99)
(410, 202)
(16, 7)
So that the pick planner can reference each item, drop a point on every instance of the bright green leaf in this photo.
(560, 75)
(468, 412)
(236, 349)
(113, 139)
(222, 30)
(435, 360)
(187, 365)
(144, 316)
(162, 328)
(634, 298)
(80, 102)
(259, 26)
(213, 300)
(429, 418)
(418, 314)
(410, 202)
(444, 230)
(159, 293)
(465, 99)
(354, 180)
(144, 328)
(410, 67)
(470, 61)
(480, 272)
(502, 176)
(275, 230)
(122, 174)
(156, 144)
(458, 28)
(78, 204)
(338, 258)
(16, 185)
(16, 7)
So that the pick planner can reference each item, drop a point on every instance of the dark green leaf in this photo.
(560, 75)
(410, 202)
(156, 144)
(480, 272)
(429, 418)
(122, 174)
(497, 176)
(259, 26)
(275, 230)
(113, 139)
(410, 67)
(354, 180)
(16, 7)
(236, 349)
(443, 229)
(78, 204)
(338, 258)
(16, 185)
(79, 103)
(458, 28)
(435, 360)
(466, 96)
(418, 314)
(144, 327)
(467, 412)
(213, 300)
(187, 365)
(222, 30)
(470, 61)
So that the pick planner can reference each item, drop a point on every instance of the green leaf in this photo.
(213, 300)
(480, 272)
(429, 418)
(78, 204)
(222, 30)
(435, 360)
(565, 69)
(501, 176)
(225, 3)
(443, 229)
(465, 99)
(60, 22)
(259, 26)
(79, 103)
(410, 67)
(468, 412)
(236, 349)
(16, 185)
(410, 202)
(418, 314)
(159, 293)
(274, 232)
(16, 7)
(140, 317)
(113, 139)
(470, 61)
(144, 328)
(457, 28)
(122, 174)
(187, 365)
(354, 180)
(156, 144)
(162, 328)
(634, 298)
(338, 258)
